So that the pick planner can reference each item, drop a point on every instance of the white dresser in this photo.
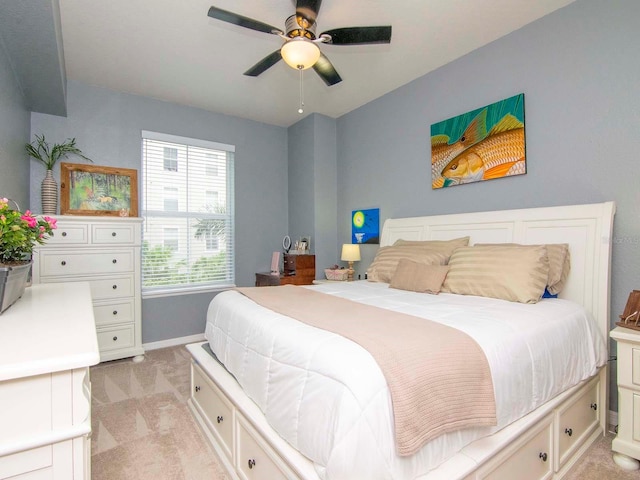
(104, 251)
(627, 441)
(47, 344)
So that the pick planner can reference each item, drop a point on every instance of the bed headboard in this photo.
(586, 228)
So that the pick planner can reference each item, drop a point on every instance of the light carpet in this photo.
(143, 429)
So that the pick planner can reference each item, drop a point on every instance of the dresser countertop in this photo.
(50, 329)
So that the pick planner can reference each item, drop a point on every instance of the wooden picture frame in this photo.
(630, 318)
(97, 190)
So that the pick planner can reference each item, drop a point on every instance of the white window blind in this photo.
(188, 239)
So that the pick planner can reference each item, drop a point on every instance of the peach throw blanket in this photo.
(438, 376)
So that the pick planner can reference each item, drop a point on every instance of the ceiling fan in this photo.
(300, 50)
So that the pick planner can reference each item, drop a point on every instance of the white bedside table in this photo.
(626, 445)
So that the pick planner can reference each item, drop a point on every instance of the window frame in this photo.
(226, 244)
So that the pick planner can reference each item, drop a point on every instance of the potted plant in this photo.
(19, 233)
(49, 156)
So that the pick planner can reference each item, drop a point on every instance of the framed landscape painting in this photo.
(95, 190)
(483, 144)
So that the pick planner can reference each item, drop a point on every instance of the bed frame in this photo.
(542, 445)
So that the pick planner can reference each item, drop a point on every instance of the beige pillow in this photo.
(418, 277)
(445, 247)
(386, 261)
(559, 264)
(517, 273)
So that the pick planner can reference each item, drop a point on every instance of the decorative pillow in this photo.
(386, 261)
(418, 277)
(446, 247)
(559, 264)
(517, 273)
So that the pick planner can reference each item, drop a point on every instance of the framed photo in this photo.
(96, 190)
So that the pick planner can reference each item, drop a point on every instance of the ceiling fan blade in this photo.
(307, 10)
(267, 62)
(230, 17)
(359, 35)
(327, 71)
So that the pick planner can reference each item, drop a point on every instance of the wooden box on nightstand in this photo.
(298, 270)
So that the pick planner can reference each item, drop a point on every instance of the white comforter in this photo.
(327, 397)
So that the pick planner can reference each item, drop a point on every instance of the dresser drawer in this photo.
(112, 313)
(114, 338)
(256, 460)
(576, 420)
(87, 262)
(217, 410)
(112, 234)
(113, 287)
(69, 235)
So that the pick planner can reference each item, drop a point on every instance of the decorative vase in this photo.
(49, 193)
(13, 281)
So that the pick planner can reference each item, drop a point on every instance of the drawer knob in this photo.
(542, 456)
(115, 312)
(113, 234)
(220, 419)
(115, 339)
(568, 431)
(594, 406)
(115, 287)
(197, 389)
(64, 234)
(114, 261)
(251, 463)
(63, 263)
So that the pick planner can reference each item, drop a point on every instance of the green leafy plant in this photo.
(40, 150)
(20, 232)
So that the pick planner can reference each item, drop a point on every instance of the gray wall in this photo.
(107, 126)
(579, 72)
(14, 133)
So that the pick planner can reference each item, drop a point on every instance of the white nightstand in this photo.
(626, 445)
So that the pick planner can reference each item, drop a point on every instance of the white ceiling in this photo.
(171, 49)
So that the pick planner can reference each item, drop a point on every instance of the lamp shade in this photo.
(350, 252)
(300, 53)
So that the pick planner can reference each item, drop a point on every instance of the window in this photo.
(211, 198)
(188, 241)
(170, 199)
(171, 236)
(170, 159)
(212, 168)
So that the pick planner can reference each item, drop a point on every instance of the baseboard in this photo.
(172, 342)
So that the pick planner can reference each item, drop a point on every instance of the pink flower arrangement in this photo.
(20, 232)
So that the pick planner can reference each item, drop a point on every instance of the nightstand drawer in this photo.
(112, 313)
(112, 234)
(58, 263)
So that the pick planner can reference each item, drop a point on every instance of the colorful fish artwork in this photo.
(478, 155)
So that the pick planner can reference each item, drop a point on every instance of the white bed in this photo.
(350, 434)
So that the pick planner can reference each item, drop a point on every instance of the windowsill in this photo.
(186, 291)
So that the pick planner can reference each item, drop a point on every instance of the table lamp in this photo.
(350, 253)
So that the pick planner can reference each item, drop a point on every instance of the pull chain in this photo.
(301, 109)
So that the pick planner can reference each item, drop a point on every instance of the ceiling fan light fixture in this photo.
(300, 53)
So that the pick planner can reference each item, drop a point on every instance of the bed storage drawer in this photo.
(577, 420)
(215, 407)
(530, 458)
(255, 459)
